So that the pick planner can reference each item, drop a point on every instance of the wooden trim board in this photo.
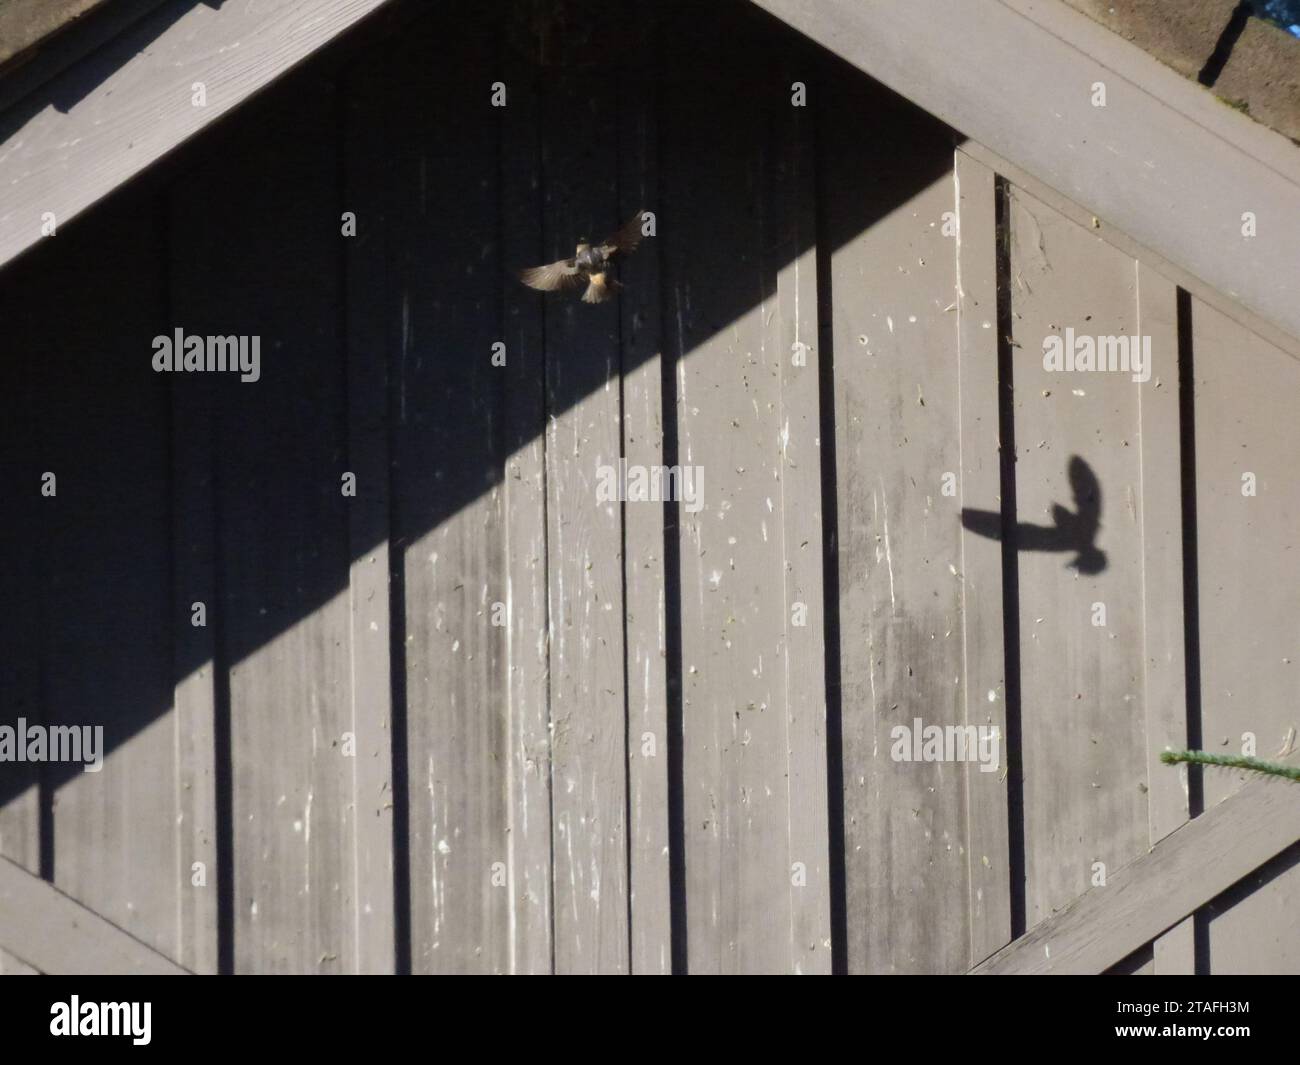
(1123, 242)
(108, 117)
(984, 657)
(1164, 161)
(1163, 615)
(1185, 870)
(54, 933)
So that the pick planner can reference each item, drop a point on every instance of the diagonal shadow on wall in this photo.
(240, 234)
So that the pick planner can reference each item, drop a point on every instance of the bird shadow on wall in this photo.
(165, 476)
(1071, 530)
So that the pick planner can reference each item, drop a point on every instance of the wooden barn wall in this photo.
(476, 719)
(1247, 442)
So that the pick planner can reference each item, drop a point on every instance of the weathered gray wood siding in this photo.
(893, 288)
(477, 719)
(1082, 711)
(1248, 551)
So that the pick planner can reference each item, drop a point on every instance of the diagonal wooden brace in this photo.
(1182, 872)
(53, 933)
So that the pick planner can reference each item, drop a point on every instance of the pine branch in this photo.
(1233, 761)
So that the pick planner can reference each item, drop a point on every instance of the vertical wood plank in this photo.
(363, 132)
(794, 259)
(106, 559)
(984, 662)
(1245, 421)
(524, 499)
(898, 426)
(1083, 723)
(732, 601)
(726, 221)
(1243, 393)
(1163, 617)
(732, 604)
(644, 571)
(282, 619)
(446, 482)
(585, 544)
(21, 622)
(194, 561)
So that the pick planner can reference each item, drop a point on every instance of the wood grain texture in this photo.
(129, 103)
(983, 678)
(57, 53)
(793, 258)
(1163, 161)
(1083, 722)
(598, 728)
(528, 637)
(1163, 616)
(364, 92)
(732, 623)
(1244, 391)
(584, 546)
(897, 417)
(282, 612)
(1158, 889)
(106, 562)
(50, 932)
(749, 799)
(1222, 302)
(645, 578)
(450, 523)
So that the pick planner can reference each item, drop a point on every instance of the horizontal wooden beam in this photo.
(1226, 306)
(1163, 161)
(108, 117)
(1185, 870)
(55, 934)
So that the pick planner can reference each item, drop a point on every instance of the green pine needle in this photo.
(1233, 761)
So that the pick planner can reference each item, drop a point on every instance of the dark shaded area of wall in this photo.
(199, 488)
(474, 488)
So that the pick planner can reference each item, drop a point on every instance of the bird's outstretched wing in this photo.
(553, 277)
(983, 522)
(625, 240)
(1087, 496)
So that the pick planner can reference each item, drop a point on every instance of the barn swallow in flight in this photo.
(589, 266)
(1069, 531)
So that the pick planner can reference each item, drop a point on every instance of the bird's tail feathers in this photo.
(600, 288)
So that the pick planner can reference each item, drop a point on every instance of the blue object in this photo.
(1284, 13)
